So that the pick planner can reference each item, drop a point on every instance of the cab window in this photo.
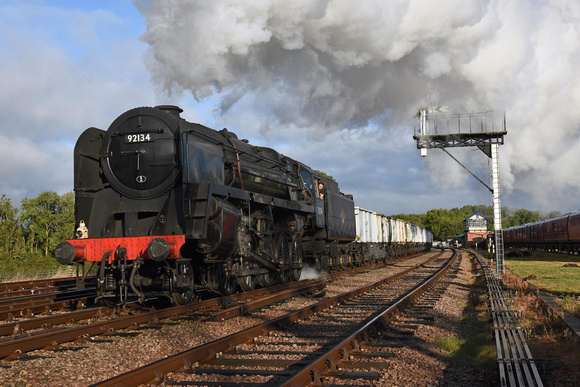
(307, 179)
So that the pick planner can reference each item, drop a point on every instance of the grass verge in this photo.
(473, 345)
(558, 274)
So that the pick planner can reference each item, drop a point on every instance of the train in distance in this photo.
(556, 234)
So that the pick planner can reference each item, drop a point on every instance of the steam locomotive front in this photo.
(126, 208)
(140, 160)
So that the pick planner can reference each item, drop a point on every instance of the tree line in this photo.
(445, 223)
(29, 234)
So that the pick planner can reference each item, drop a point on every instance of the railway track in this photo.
(27, 312)
(50, 339)
(313, 345)
(7, 288)
(49, 331)
(22, 300)
(37, 313)
(26, 299)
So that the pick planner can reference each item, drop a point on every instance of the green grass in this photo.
(449, 344)
(473, 346)
(547, 272)
(30, 266)
(475, 351)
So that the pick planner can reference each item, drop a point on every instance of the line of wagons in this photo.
(556, 234)
(378, 232)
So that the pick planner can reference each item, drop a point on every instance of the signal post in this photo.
(439, 130)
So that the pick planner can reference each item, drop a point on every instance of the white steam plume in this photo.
(335, 64)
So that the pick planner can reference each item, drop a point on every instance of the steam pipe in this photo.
(136, 264)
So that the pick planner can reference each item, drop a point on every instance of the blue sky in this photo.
(333, 86)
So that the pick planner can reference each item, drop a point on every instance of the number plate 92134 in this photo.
(139, 137)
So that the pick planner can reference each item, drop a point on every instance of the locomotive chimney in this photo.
(170, 109)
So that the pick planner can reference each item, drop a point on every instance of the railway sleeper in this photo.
(274, 363)
(234, 372)
(335, 370)
(351, 355)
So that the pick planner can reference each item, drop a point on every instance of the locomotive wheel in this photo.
(266, 280)
(227, 281)
(296, 255)
(283, 257)
(183, 275)
(247, 282)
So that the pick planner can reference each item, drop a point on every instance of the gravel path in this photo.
(420, 363)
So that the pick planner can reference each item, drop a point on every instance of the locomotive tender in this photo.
(556, 234)
(165, 207)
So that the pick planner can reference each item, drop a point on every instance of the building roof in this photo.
(477, 213)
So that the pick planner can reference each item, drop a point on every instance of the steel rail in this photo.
(7, 287)
(17, 327)
(262, 302)
(34, 300)
(316, 371)
(16, 346)
(46, 286)
(154, 372)
(31, 309)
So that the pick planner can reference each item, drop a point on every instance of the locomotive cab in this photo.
(332, 224)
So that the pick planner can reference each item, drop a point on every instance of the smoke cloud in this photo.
(327, 66)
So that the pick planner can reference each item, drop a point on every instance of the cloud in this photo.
(31, 166)
(318, 68)
(59, 77)
(334, 84)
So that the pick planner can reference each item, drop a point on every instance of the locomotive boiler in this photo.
(164, 207)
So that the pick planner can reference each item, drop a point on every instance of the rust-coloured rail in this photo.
(9, 287)
(154, 372)
(327, 363)
(17, 345)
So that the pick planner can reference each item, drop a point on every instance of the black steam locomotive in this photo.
(165, 207)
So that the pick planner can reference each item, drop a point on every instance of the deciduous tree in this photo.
(11, 235)
(49, 219)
